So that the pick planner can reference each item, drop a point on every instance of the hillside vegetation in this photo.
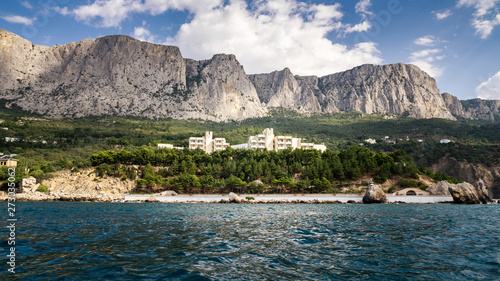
(46, 145)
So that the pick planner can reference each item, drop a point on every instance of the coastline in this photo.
(285, 198)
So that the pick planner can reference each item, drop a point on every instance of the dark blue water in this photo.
(111, 241)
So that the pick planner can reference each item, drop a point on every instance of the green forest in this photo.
(235, 170)
(46, 145)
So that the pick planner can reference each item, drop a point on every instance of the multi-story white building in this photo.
(267, 140)
(208, 143)
(263, 141)
(219, 144)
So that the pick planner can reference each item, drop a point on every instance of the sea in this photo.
(175, 241)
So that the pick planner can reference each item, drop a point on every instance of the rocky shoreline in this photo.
(84, 187)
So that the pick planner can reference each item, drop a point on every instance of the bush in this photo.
(392, 189)
(249, 198)
(408, 183)
(42, 188)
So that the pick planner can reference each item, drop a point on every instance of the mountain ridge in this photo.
(119, 75)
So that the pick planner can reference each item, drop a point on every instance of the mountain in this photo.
(473, 109)
(119, 75)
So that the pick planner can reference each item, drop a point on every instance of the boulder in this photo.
(440, 188)
(150, 200)
(168, 193)
(482, 191)
(28, 185)
(234, 198)
(466, 193)
(374, 194)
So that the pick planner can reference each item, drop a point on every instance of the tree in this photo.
(187, 183)
(234, 183)
(207, 182)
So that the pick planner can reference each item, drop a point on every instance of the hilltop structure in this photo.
(268, 141)
(8, 160)
(207, 143)
(265, 141)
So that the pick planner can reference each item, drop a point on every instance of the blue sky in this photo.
(455, 41)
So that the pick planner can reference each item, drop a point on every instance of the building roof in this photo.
(7, 157)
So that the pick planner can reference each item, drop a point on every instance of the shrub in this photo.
(42, 188)
(249, 198)
(408, 183)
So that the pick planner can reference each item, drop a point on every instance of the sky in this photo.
(455, 41)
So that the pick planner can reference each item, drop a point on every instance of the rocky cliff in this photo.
(118, 75)
(473, 109)
(490, 176)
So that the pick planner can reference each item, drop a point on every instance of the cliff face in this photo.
(474, 108)
(118, 75)
(471, 173)
(395, 88)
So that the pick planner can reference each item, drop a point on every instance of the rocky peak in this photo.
(474, 108)
(119, 75)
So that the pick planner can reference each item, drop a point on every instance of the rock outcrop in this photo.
(471, 173)
(119, 75)
(234, 198)
(374, 194)
(466, 193)
(395, 88)
(122, 76)
(475, 109)
(28, 185)
(440, 188)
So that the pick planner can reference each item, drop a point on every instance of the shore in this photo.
(284, 198)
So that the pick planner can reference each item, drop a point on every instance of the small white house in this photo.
(165, 145)
(445, 141)
(371, 141)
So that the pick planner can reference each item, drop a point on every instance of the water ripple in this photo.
(105, 241)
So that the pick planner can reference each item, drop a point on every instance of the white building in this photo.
(263, 141)
(165, 145)
(268, 141)
(371, 141)
(208, 143)
(445, 141)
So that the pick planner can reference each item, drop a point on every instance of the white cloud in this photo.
(278, 34)
(360, 27)
(143, 34)
(362, 7)
(490, 89)
(18, 19)
(63, 11)
(426, 58)
(113, 12)
(485, 27)
(265, 36)
(27, 5)
(485, 18)
(443, 15)
(427, 40)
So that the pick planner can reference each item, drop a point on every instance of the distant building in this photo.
(7, 160)
(262, 141)
(445, 141)
(9, 139)
(207, 143)
(268, 141)
(165, 145)
(371, 141)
